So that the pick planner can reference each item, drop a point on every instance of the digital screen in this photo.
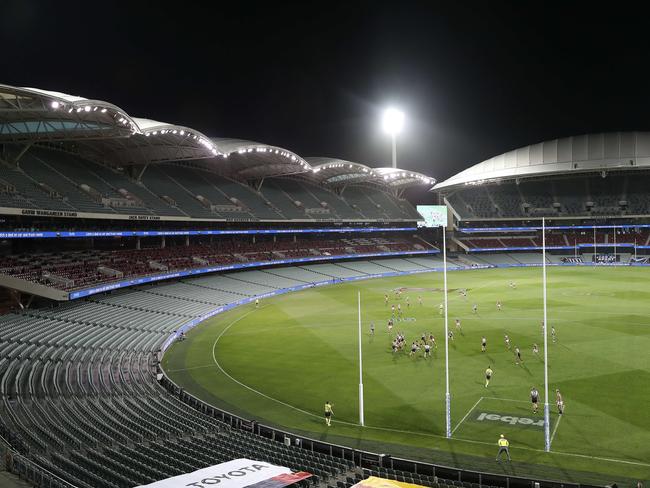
(433, 215)
(159, 233)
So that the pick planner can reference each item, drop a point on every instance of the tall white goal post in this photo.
(361, 417)
(547, 416)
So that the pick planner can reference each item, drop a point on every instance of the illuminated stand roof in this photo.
(338, 172)
(104, 133)
(577, 154)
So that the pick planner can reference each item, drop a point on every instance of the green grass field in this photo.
(280, 363)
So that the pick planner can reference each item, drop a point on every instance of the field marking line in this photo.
(557, 424)
(193, 367)
(214, 358)
(388, 429)
(505, 399)
(466, 415)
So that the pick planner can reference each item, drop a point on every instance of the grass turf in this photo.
(281, 362)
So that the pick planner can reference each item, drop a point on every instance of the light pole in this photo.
(392, 122)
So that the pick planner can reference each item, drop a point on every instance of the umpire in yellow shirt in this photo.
(503, 447)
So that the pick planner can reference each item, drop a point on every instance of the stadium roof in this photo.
(338, 172)
(578, 154)
(254, 160)
(103, 132)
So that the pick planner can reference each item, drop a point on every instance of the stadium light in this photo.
(393, 122)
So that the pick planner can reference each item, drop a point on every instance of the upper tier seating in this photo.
(53, 180)
(617, 194)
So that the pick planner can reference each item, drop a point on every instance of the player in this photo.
(386, 299)
(328, 413)
(535, 349)
(534, 398)
(372, 328)
(441, 308)
(559, 402)
(507, 341)
(432, 340)
(451, 335)
(518, 356)
(475, 308)
(408, 302)
(553, 336)
(420, 300)
(488, 376)
(423, 338)
(414, 348)
(458, 327)
(390, 326)
(392, 311)
(395, 346)
(427, 351)
(512, 285)
(483, 344)
(463, 293)
(257, 303)
(499, 305)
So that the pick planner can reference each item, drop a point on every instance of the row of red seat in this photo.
(73, 270)
(557, 239)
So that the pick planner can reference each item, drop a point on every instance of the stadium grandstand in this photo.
(92, 200)
(591, 190)
(120, 234)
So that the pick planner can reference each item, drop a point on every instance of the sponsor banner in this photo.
(167, 233)
(376, 482)
(510, 419)
(472, 230)
(191, 272)
(282, 480)
(162, 218)
(238, 473)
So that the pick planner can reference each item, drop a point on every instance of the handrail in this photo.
(13, 465)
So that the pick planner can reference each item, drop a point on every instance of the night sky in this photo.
(475, 80)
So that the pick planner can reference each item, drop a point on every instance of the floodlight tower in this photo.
(392, 122)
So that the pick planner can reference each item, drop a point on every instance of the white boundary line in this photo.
(505, 399)
(214, 358)
(557, 424)
(387, 429)
(188, 369)
(466, 415)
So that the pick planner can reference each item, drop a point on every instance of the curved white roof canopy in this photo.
(29, 114)
(103, 132)
(589, 152)
(249, 160)
(336, 172)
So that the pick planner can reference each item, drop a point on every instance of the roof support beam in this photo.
(22, 152)
(144, 167)
(257, 184)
